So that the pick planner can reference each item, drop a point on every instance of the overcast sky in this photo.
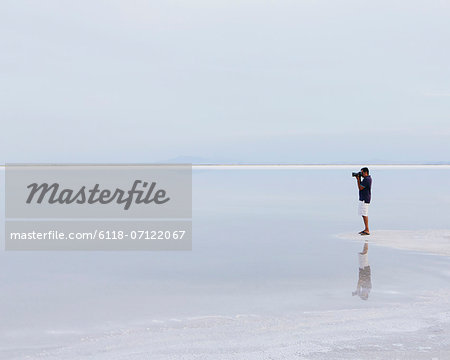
(227, 80)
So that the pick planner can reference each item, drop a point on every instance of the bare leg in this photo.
(366, 224)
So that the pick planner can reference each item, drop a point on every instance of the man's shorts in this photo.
(363, 260)
(363, 209)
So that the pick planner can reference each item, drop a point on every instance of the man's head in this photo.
(365, 171)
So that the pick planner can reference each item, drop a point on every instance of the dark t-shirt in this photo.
(364, 194)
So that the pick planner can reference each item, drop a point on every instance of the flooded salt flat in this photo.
(265, 256)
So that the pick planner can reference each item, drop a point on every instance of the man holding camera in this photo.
(364, 187)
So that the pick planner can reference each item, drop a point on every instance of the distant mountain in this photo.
(184, 159)
(197, 160)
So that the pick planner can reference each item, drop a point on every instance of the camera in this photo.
(357, 174)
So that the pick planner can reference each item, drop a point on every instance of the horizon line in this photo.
(231, 164)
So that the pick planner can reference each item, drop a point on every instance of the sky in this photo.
(304, 81)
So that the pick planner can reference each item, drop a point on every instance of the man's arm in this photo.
(358, 180)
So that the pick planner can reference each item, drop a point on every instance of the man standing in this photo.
(364, 188)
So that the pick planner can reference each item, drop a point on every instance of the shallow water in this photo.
(264, 245)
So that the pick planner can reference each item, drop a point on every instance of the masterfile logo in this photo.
(99, 191)
(98, 207)
(53, 194)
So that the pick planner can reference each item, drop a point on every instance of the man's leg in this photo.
(366, 223)
(365, 248)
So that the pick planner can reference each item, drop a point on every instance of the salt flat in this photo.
(266, 279)
(429, 241)
(420, 330)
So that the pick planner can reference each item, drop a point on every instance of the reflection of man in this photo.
(364, 281)
(364, 188)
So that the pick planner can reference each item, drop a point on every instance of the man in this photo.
(364, 188)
